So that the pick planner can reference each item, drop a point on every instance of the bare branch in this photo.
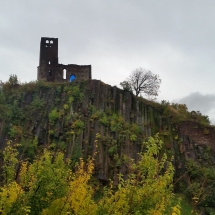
(143, 81)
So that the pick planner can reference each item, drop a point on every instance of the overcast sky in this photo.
(175, 39)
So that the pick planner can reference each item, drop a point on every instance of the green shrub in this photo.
(112, 150)
(78, 124)
(53, 116)
(104, 120)
(37, 103)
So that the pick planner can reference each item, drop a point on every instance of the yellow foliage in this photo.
(79, 198)
(48, 186)
(176, 210)
(8, 195)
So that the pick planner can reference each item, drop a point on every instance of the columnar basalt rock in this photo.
(50, 70)
(114, 123)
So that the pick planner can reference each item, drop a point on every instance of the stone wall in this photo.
(49, 68)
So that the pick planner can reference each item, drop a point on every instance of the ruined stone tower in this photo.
(50, 70)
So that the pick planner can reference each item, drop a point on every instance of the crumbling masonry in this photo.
(50, 70)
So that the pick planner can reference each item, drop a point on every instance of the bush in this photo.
(53, 116)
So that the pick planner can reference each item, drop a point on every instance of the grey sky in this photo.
(175, 39)
(198, 102)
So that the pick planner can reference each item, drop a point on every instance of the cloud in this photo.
(172, 39)
(199, 102)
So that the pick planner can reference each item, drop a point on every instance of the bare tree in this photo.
(142, 81)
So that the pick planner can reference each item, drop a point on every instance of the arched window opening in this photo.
(64, 74)
(51, 42)
(49, 62)
(46, 46)
(72, 78)
(50, 46)
(47, 41)
(50, 73)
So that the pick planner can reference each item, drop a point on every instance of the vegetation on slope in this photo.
(48, 186)
(63, 118)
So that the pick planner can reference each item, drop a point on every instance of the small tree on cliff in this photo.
(142, 81)
(13, 80)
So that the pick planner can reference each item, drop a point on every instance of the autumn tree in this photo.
(48, 186)
(148, 190)
(142, 81)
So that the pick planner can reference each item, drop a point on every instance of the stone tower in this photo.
(50, 70)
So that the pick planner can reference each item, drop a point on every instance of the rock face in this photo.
(86, 117)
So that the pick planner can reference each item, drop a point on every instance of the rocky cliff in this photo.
(80, 117)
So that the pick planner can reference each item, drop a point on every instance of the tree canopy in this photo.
(142, 81)
(48, 186)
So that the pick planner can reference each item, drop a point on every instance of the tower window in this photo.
(47, 41)
(51, 42)
(49, 62)
(72, 77)
(50, 73)
(64, 74)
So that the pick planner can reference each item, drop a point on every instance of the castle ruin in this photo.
(50, 70)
